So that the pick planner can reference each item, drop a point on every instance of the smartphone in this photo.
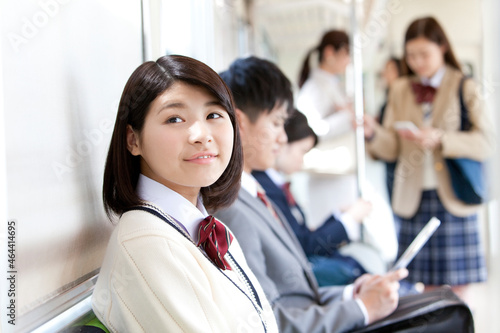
(406, 125)
(415, 246)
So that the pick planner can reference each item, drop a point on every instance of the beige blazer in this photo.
(476, 144)
(154, 279)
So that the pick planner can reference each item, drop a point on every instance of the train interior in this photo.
(63, 65)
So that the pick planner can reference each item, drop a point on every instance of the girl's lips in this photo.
(202, 158)
(201, 155)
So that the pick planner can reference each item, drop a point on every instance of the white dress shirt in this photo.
(429, 176)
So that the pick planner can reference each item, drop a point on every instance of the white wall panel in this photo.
(65, 64)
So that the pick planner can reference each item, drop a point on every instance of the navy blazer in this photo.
(323, 241)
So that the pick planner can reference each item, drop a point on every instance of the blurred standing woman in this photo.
(392, 70)
(429, 97)
(322, 97)
(175, 152)
(323, 100)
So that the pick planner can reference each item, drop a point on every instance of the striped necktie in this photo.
(288, 194)
(215, 239)
(261, 194)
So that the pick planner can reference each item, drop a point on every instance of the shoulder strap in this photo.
(163, 216)
(465, 124)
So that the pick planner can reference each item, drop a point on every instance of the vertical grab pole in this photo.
(357, 63)
(146, 31)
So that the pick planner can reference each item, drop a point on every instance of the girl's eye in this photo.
(214, 116)
(173, 120)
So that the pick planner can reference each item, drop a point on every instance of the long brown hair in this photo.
(336, 38)
(148, 81)
(429, 28)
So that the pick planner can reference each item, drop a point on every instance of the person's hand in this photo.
(369, 124)
(359, 210)
(431, 138)
(379, 293)
(427, 137)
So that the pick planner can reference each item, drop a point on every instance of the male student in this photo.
(322, 244)
(263, 98)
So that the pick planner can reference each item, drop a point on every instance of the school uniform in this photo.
(422, 186)
(322, 244)
(155, 279)
(279, 263)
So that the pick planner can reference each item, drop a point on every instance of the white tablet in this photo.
(406, 125)
(415, 246)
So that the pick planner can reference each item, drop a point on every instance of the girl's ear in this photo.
(133, 141)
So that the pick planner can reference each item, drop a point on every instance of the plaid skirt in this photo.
(453, 255)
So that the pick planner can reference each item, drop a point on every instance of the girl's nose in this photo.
(199, 133)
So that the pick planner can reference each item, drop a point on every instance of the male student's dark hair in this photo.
(258, 86)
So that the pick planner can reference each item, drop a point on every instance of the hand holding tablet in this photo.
(406, 126)
(415, 246)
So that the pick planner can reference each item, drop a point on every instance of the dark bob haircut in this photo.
(429, 28)
(147, 82)
(297, 128)
(258, 86)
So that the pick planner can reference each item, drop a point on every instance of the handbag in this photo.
(467, 175)
(436, 311)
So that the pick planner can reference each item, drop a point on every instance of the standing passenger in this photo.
(321, 97)
(175, 151)
(323, 100)
(429, 97)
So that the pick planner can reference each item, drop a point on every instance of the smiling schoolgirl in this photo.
(175, 152)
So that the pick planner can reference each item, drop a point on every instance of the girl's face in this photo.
(424, 56)
(291, 157)
(187, 139)
(336, 62)
(390, 72)
(343, 58)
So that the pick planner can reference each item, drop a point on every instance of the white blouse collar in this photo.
(173, 204)
(435, 80)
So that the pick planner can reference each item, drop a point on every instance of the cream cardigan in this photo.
(155, 279)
